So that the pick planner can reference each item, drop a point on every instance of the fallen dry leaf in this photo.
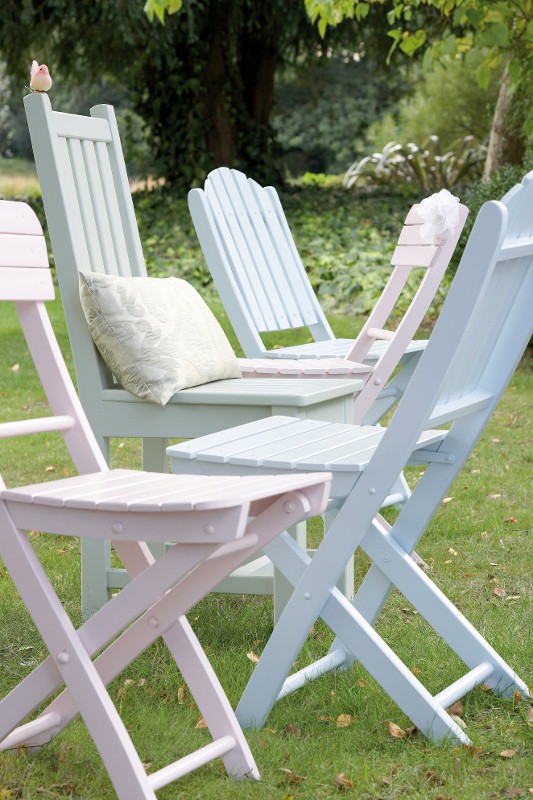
(14, 368)
(447, 500)
(499, 592)
(343, 720)
(484, 534)
(433, 779)
(395, 731)
(452, 552)
(508, 753)
(342, 782)
(529, 717)
(252, 656)
(457, 708)
(291, 775)
(201, 724)
(182, 695)
(362, 683)
(511, 519)
(516, 701)
(292, 730)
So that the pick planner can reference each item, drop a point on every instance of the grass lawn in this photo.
(331, 738)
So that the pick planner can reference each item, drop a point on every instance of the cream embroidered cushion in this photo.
(156, 335)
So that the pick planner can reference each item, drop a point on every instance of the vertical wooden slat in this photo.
(78, 243)
(112, 211)
(86, 205)
(239, 257)
(287, 268)
(117, 166)
(265, 253)
(99, 206)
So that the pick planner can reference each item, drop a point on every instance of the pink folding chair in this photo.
(413, 256)
(213, 526)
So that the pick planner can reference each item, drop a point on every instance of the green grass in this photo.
(479, 540)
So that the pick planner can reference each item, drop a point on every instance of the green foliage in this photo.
(447, 101)
(425, 166)
(325, 105)
(502, 29)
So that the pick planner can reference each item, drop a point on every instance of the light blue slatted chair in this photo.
(259, 275)
(481, 334)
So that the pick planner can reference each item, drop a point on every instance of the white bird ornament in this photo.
(40, 80)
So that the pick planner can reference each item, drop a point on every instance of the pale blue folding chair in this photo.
(482, 331)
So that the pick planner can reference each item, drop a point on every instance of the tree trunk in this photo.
(505, 146)
(221, 136)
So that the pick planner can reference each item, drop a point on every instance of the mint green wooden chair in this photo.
(92, 225)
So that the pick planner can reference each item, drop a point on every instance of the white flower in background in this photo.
(440, 214)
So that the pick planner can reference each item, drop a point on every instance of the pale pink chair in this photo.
(213, 523)
(381, 345)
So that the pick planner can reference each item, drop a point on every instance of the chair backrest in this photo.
(482, 331)
(89, 211)
(262, 281)
(253, 260)
(25, 279)
(412, 255)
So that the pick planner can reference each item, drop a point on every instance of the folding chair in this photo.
(212, 524)
(92, 226)
(263, 285)
(482, 331)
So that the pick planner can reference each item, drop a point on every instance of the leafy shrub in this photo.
(425, 166)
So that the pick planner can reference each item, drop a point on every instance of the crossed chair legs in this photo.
(315, 596)
(152, 605)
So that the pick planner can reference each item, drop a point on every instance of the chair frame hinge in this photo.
(433, 456)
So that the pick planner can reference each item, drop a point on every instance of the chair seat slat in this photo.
(335, 367)
(141, 491)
